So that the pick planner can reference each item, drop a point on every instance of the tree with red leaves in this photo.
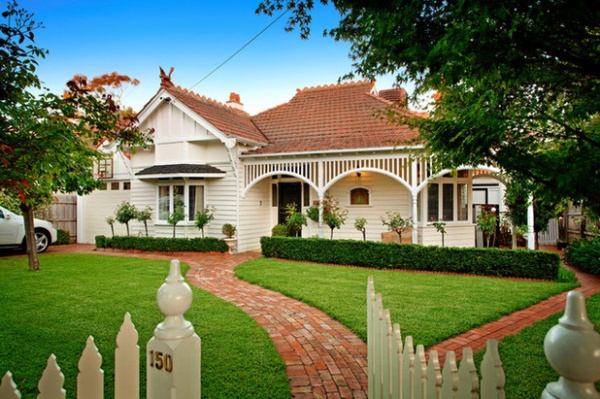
(48, 143)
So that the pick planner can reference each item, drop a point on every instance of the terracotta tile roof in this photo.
(231, 121)
(334, 117)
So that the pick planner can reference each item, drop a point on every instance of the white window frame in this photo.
(440, 200)
(369, 194)
(189, 219)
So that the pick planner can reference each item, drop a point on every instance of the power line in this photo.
(240, 50)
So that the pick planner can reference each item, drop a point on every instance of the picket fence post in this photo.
(573, 349)
(173, 353)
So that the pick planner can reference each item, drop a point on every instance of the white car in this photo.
(12, 231)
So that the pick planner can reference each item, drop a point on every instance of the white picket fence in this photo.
(173, 356)
(398, 371)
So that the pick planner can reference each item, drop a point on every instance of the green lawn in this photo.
(430, 307)
(73, 296)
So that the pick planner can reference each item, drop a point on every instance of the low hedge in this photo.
(478, 261)
(160, 244)
(585, 255)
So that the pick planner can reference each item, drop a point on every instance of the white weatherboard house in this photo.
(327, 141)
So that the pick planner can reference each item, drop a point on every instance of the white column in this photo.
(415, 217)
(415, 195)
(530, 229)
(173, 353)
(320, 183)
(321, 199)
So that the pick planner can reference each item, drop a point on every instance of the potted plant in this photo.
(229, 231)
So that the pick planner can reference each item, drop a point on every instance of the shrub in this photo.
(102, 242)
(160, 244)
(585, 255)
(228, 230)
(477, 261)
(279, 230)
(63, 237)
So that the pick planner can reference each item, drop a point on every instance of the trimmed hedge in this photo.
(478, 261)
(159, 244)
(585, 255)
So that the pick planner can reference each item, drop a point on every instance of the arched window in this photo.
(359, 196)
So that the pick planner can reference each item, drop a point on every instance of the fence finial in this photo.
(174, 298)
(573, 349)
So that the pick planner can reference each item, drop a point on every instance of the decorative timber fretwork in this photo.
(412, 172)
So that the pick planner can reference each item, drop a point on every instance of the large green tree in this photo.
(48, 142)
(518, 81)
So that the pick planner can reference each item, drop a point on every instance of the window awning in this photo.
(180, 171)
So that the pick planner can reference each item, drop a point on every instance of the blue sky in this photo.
(93, 37)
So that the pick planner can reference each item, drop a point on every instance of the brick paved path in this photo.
(323, 359)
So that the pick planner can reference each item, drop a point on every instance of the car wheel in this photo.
(42, 241)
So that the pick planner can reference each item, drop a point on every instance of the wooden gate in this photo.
(63, 214)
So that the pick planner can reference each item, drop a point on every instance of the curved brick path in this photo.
(323, 359)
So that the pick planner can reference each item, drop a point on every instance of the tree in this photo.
(178, 214)
(125, 213)
(488, 223)
(440, 227)
(48, 143)
(545, 208)
(143, 216)
(517, 81)
(204, 217)
(334, 216)
(111, 222)
(395, 222)
(294, 220)
(359, 224)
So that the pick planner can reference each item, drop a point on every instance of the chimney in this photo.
(234, 101)
(394, 95)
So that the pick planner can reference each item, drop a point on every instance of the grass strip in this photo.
(76, 295)
(430, 307)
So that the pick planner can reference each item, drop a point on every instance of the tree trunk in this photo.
(32, 255)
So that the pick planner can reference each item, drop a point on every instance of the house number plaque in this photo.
(161, 361)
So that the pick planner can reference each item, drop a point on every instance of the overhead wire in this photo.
(241, 49)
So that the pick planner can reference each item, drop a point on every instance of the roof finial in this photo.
(165, 80)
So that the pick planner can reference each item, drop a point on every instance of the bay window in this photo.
(172, 196)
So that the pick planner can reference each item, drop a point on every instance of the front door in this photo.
(289, 193)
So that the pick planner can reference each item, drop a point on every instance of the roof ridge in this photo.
(209, 100)
(335, 85)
